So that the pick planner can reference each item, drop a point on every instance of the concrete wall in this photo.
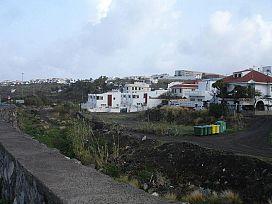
(31, 173)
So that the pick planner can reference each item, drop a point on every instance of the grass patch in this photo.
(125, 179)
(200, 197)
(164, 129)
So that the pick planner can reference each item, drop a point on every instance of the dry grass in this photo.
(170, 196)
(196, 197)
(125, 179)
(231, 197)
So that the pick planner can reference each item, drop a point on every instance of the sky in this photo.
(90, 38)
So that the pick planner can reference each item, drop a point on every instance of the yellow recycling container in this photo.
(215, 129)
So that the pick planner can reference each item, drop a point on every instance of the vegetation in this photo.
(74, 138)
(202, 197)
(178, 115)
(164, 129)
(218, 110)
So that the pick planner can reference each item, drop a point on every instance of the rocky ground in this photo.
(181, 167)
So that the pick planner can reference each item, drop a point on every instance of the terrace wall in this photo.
(32, 173)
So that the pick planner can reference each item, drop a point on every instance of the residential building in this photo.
(195, 95)
(257, 80)
(188, 75)
(135, 97)
(136, 87)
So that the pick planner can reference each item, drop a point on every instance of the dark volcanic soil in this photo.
(253, 141)
(185, 163)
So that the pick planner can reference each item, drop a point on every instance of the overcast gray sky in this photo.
(89, 38)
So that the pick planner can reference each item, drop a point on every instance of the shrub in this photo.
(218, 110)
(177, 115)
(231, 197)
(170, 196)
(112, 170)
(195, 197)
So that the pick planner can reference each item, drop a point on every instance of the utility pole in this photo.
(22, 84)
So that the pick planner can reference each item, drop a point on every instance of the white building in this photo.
(135, 97)
(196, 95)
(136, 87)
(188, 75)
(259, 81)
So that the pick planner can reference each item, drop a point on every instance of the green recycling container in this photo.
(199, 130)
(209, 129)
(205, 130)
(223, 126)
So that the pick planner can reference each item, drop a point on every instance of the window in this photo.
(99, 97)
(113, 98)
(200, 99)
(132, 88)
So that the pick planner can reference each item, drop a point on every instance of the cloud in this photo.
(228, 44)
(102, 7)
(125, 37)
(138, 37)
(220, 21)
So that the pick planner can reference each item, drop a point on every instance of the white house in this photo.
(136, 87)
(135, 97)
(258, 81)
(196, 95)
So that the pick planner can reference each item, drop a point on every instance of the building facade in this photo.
(135, 97)
(260, 82)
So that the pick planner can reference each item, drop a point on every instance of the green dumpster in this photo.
(223, 126)
(209, 129)
(199, 130)
(205, 130)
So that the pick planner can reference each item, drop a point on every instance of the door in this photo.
(109, 100)
(145, 97)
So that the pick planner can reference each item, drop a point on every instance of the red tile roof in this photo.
(252, 75)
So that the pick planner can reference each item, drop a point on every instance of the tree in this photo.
(222, 90)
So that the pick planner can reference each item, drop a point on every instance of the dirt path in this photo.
(253, 141)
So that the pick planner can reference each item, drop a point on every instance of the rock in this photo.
(145, 187)
(155, 194)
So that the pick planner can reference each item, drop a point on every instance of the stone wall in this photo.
(32, 173)
(18, 186)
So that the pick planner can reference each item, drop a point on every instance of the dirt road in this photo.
(253, 141)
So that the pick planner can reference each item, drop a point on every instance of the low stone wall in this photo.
(32, 173)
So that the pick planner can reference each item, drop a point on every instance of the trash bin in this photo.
(209, 129)
(205, 130)
(215, 129)
(199, 130)
(222, 126)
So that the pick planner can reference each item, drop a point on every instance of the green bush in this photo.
(218, 110)
(177, 115)
(112, 170)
